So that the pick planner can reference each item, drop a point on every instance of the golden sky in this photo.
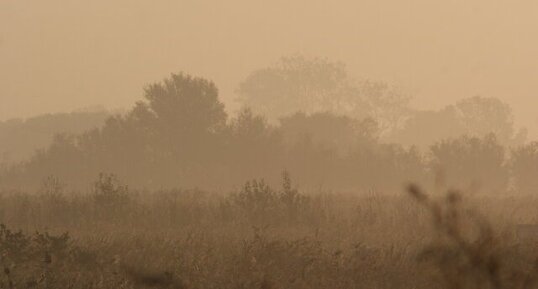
(60, 55)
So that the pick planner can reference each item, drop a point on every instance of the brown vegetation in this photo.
(349, 226)
(260, 237)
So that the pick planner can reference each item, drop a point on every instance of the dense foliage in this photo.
(181, 136)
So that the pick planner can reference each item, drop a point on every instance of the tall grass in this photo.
(260, 237)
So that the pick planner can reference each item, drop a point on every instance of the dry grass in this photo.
(261, 237)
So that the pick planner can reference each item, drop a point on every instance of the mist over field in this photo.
(255, 144)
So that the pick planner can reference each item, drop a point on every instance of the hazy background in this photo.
(63, 55)
(310, 180)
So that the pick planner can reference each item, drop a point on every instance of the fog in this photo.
(57, 56)
(197, 144)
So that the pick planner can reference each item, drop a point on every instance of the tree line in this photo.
(306, 116)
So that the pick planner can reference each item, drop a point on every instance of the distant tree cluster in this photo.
(311, 85)
(326, 130)
(475, 116)
(19, 138)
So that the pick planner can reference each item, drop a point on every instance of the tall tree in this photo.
(302, 84)
(472, 163)
(483, 115)
(475, 117)
(186, 104)
(335, 132)
(424, 128)
(388, 105)
(524, 166)
(312, 85)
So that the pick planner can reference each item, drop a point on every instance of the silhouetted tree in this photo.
(328, 130)
(524, 166)
(124, 145)
(59, 159)
(472, 163)
(186, 104)
(180, 135)
(424, 128)
(388, 105)
(383, 167)
(311, 85)
(20, 138)
(187, 120)
(171, 137)
(484, 115)
(475, 116)
(254, 146)
(303, 84)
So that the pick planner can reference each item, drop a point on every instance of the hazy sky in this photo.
(60, 55)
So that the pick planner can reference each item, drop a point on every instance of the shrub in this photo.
(262, 204)
(110, 198)
(468, 253)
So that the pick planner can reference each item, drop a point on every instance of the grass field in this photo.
(262, 237)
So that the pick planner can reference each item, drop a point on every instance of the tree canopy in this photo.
(312, 85)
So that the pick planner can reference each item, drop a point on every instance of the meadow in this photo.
(259, 236)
